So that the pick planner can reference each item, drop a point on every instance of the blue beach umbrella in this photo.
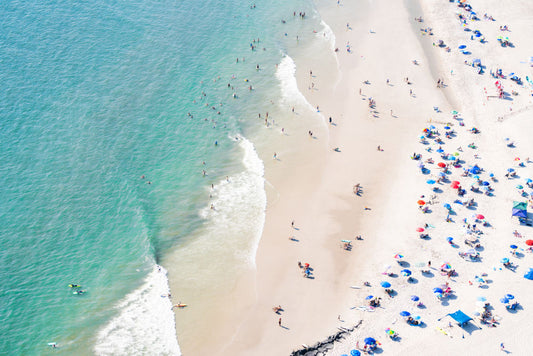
(437, 290)
(519, 186)
(447, 206)
(447, 127)
(486, 183)
(440, 150)
(481, 299)
(415, 298)
(510, 170)
(462, 47)
(504, 260)
(370, 341)
(430, 181)
(355, 353)
(529, 180)
(504, 300)
(368, 297)
(405, 272)
(509, 296)
(385, 284)
(479, 280)
(449, 239)
(514, 247)
(404, 313)
(491, 175)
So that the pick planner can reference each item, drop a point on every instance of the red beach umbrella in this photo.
(480, 217)
(419, 229)
(421, 202)
(455, 184)
(441, 164)
(529, 242)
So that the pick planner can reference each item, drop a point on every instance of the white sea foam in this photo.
(239, 207)
(145, 322)
(328, 35)
(290, 94)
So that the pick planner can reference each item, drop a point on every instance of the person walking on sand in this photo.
(279, 322)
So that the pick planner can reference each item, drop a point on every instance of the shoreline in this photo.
(311, 184)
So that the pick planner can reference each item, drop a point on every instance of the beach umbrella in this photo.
(385, 284)
(440, 150)
(455, 184)
(430, 181)
(504, 300)
(368, 297)
(447, 206)
(437, 290)
(462, 47)
(398, 256)
(449, 239)
(480, 217)
(481, 299)
(355, 353)
(514, 247)
(432, 127)
(415, 298)
(509, 296)
(441, 164)
(390, 332)
(504, 260)
(447, 127)
(404, 313)
(442, 174)
(510, 170)
(480, 304)
(419, 229)
(485, 183)
(529, 242)
(519, 187)
(517, 158)
(454, 112)
(370, 341)
(405, 272)
(446, 266)
(476, 176)
(491, 175)
(529, 180)
(421, 202)
(479, 280)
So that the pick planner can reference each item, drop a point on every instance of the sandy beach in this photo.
(312, 208)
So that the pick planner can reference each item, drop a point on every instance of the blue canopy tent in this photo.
(460, 317)
(529, 274)
(519, 209)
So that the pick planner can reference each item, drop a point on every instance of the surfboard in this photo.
(180, 305)
(74, 285)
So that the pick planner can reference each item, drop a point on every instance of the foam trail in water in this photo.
(239, 204)
(290, 94)
(145, 324)
(328, 35)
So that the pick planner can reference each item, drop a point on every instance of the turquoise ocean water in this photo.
(95, 95)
